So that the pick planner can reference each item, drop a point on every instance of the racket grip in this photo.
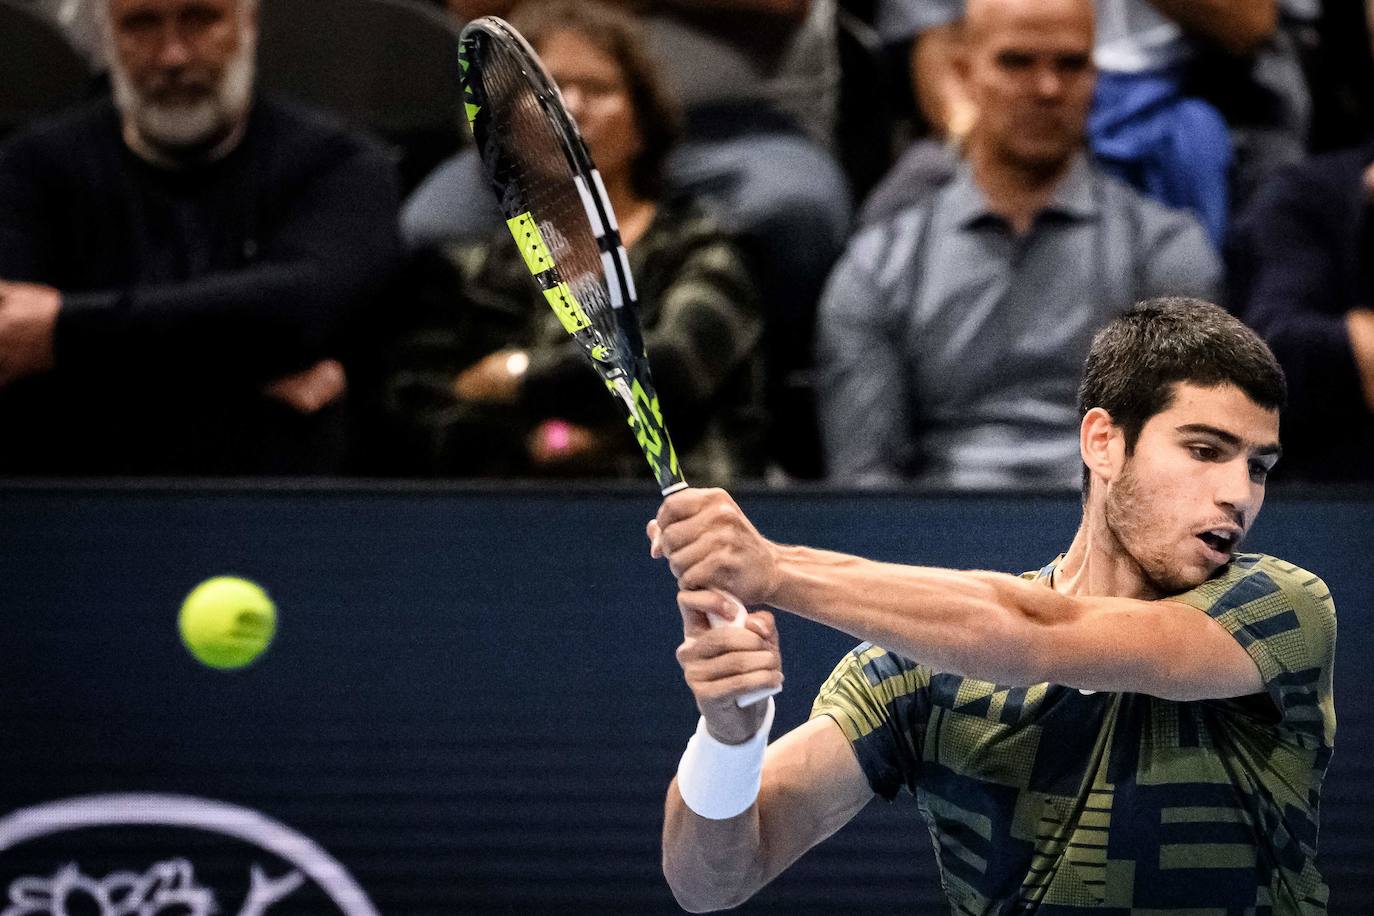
(753, 696)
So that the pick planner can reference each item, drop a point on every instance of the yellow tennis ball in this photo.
(227, 622)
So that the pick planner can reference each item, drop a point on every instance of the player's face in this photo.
(598, 99)
(1187, 496)
(182, 69)
(1030, 78)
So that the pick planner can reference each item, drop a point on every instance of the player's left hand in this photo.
(28, 319)
(710, 544)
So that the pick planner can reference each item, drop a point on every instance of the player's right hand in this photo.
(723, 663)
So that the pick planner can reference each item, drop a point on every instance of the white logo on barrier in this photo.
(169, 885)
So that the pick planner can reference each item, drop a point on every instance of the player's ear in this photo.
(1097, 435)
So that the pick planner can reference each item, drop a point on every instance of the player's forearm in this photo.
(973, 623)
(710, 864)
(1239, 26)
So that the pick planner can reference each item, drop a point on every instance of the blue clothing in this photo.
(1173, 148)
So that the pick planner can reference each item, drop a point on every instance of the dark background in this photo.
(472, 701)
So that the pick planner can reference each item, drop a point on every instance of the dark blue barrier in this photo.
(471, 705)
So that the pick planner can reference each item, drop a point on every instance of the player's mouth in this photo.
(1219, 543)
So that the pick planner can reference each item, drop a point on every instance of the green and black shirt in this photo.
(1052, 801)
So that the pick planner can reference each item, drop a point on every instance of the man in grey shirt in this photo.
(952, 335)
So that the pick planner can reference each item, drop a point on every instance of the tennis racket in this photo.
(561, 219)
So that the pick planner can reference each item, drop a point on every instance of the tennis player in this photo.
(1143, 725)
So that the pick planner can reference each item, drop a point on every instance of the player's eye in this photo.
(1203, 452)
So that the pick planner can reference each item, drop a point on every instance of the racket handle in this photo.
(753, 696)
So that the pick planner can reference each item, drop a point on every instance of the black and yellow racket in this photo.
(561, 219)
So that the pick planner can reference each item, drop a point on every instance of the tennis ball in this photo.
(227, 622)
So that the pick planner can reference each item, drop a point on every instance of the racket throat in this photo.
(622, 390)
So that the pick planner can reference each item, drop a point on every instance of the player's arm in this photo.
(987, 625)
(809, 786)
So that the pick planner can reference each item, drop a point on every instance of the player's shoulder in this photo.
(1260, 583)
(872, 668)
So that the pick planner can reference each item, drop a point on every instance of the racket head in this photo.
(561, 221)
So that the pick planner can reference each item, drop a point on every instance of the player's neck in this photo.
(1097, 565)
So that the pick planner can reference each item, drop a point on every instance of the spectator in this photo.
(935, 32)
(1196, 101)
(496, 387)
(1302, 266)
(180, 265)
(740, 54)
(769, 180)
(951, 335)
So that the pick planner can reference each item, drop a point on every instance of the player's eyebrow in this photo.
(1230, 438)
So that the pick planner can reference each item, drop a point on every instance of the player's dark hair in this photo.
(619, 35)
(1138, 359)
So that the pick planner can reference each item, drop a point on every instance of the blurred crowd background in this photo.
(872, 238)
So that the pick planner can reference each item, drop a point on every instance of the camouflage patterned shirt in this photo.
(1052, 801)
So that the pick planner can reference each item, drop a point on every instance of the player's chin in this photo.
(1192, 569)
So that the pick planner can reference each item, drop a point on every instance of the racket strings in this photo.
(540, 181)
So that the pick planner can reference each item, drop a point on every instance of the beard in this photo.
(1131, 519)
(181, 129)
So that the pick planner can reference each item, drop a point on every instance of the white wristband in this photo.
(719, 781)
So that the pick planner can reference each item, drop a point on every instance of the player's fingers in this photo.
(680, 505)
(689, 503)
(714, 642)
(701, 558)
(708, 603)
(722, 667)
(694, 623)
(762, 623)
(725, 690)
(715, 639)
(700, 610)
(652, 531)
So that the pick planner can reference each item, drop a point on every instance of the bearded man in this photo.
(183, 265)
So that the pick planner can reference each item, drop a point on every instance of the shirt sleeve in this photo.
(1284, 618)
(881, 702)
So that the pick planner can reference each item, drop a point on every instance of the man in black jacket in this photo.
(182, 266)
(1301, 263)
